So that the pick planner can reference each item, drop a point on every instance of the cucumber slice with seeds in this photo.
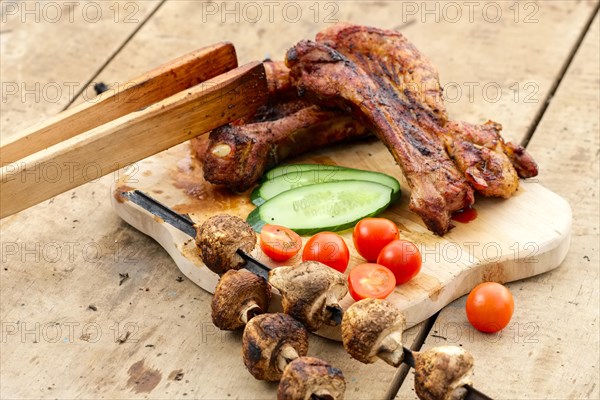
(279, 184)
(331, 206)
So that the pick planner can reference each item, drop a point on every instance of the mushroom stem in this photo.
(321, 396)
(250, 310)
(391, 350)
(332, 305)
(286, 355)
(336, 314)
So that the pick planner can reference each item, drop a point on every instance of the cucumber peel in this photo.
(331, 206)
(307, 174)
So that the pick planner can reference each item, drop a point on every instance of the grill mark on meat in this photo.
(420, 153)
(288, 125)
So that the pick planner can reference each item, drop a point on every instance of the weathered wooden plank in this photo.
(39, 287)
(550, 348)
(51, 49)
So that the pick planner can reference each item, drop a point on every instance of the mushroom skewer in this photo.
(187, 226)
(239, 296)
(311, 378)
(310, 292)
(270, 342)
(225, 242)
(444, 373)
(372, 329)
(184, 224)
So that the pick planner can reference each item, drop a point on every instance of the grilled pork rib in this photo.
(382, 79)
(438, 187)
(238, 154)
(393, 88)
(422, 91)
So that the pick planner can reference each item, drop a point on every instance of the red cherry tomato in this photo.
(372, 234)
(279, 243)
(403, 258)
(328, 248)
(490, 307)
(370, 281)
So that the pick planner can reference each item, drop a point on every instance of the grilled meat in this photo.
(372, 79)
(479, 153)
(522, 161)
(383, 79)
(239, 153)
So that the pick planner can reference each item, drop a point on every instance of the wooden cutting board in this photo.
(512, 239)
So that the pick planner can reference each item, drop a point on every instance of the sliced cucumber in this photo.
(292, 169)
(279, 184)
(331, 206)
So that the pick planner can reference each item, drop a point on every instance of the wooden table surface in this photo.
(91, 308)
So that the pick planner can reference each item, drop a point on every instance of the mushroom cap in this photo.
(441, 373)
(366, 324)
(307, 289)
(235, 293)
(220, 237)
(263, 339)
(306, 376)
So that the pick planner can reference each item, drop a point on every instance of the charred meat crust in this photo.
(238, 154)
(264, 337)
(480, 153)
(438, 188)
(218, 240)
(306, 376)
(258, 146)
(236, 291)
(522, 161)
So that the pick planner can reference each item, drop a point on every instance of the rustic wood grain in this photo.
(550, 348)
(38, 287)
(49, 52)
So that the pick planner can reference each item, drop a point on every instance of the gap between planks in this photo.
(569, 60)
(403, 371)
(114, 54)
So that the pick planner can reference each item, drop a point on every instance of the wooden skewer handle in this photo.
(133, 137)
(160, 83)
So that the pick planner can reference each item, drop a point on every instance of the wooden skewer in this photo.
(164, 81)
(130, 138)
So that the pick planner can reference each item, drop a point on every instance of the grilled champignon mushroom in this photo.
(310, 292)
(270, 342)
(371, 329)
(442, 372)
(239, 296)
(220, 237)
(311, 378)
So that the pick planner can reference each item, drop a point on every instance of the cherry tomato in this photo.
(372, 234)
(403, 258)
(490, 307)
(279, 243)
(328, 248)
(370, 281)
